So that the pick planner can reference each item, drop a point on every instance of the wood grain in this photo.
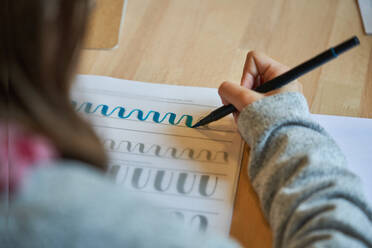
(104, 24)
(202, 43)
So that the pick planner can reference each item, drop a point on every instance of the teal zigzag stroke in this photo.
(88, 108)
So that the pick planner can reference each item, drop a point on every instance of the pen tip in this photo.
(196, 125)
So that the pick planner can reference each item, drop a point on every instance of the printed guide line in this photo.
(163, 168)
(193, 211)
(179, 195)
(149, 155)
(159, 133)
(148, 98)
(203, 128)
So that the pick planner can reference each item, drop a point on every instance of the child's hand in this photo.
(258, 69)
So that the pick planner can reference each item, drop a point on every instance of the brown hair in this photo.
(39, 49)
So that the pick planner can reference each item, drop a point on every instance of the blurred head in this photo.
(39, 46)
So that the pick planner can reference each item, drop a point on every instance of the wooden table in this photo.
(204, 42)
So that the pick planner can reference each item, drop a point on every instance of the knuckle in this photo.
(222, 87)
(251, 54)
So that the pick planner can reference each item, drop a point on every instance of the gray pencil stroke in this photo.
(161, 151)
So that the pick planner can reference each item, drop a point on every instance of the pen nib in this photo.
(196, 125)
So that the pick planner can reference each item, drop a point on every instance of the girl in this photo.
(52, 188)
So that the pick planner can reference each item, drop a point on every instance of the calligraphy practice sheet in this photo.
(153, 151)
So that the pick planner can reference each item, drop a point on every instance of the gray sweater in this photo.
(306, 192)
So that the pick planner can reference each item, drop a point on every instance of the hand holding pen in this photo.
(234, 93)
(258, 69)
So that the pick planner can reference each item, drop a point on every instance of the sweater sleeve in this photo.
(307, 194)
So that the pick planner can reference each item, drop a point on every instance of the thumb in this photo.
(237, 95)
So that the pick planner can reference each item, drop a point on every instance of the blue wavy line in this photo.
(156, 116)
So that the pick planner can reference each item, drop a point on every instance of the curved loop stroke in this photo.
(161, 151)
(88, 108)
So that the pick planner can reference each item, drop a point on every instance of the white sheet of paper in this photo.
(192, 173)
(354, 136)
(365, 7)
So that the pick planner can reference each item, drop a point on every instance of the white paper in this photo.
(365, 7)
(354, 136)
(192, 173)
(140, 170)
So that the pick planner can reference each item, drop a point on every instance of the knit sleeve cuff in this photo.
(261, 116)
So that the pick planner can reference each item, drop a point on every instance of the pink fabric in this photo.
(19, 152)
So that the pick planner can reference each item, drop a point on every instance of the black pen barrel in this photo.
(286, 77)
(218, 114)
(223, 111)
(344, 46)
(307, 66)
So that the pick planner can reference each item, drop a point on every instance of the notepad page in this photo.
(145, 128)
(365, 7)
(354, 137)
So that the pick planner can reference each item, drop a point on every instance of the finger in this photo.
(255, 65)
(237, 95)
(268, 68)
(250, 72)
(224, 101)
(260, 65)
